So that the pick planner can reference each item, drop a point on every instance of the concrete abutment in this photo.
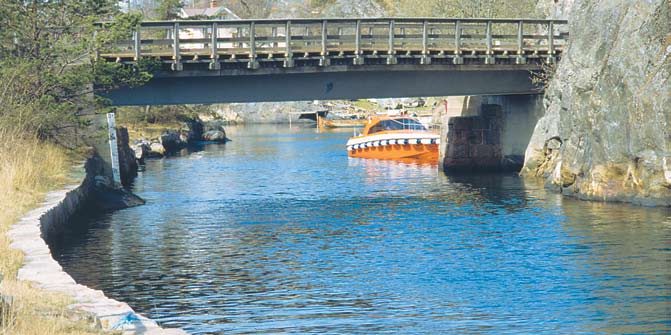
(487, 133)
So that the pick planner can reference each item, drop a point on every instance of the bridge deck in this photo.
(322, 42)
(324, 59)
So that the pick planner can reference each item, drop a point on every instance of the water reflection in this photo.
(279, 232)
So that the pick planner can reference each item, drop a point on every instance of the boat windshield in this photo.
(397, 124)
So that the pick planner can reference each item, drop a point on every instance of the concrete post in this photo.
(520, 44)
(176, 57)
(114, 150)
(324, 60)
(391, 52)
(358, 60)
(253, 63)
(425, 43)
(214, 65)
(489, 58)
(288, 54)
(457, 44)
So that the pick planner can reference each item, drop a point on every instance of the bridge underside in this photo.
(327, 83)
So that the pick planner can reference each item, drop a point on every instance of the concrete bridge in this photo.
(323, 59)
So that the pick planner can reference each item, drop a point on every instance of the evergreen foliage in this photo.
(46, 65)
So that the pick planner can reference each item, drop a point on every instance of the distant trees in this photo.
(168, 9)
(463, 8)
(157, 9)
(433, 8)
(257, 9)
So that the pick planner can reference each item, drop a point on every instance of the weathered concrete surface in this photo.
(488, 133)
(474, 142)
(41, 269)
(456, 106)
(608, 108)
(519, 115)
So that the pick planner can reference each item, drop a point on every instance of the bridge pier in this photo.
(488, 133)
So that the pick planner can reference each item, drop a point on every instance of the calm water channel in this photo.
(279, 232)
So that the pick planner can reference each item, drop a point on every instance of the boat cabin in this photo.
(393, 124)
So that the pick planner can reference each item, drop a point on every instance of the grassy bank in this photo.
(148, 130)
(28, 170)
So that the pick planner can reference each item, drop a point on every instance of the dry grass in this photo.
(148, 130)
(28, 169)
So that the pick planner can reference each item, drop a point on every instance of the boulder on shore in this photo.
(127, 160)
(215, 136)
(171, 140)
(106, 196)
(192, 131)
(156, 150)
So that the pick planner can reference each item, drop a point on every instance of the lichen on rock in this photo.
(610, 104)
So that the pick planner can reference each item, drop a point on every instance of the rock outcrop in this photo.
(99, 191)
(606, 132)
(173, 140)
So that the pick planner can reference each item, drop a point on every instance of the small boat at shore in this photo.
(398, 138)
(352, 123)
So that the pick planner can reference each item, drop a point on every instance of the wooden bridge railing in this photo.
(323, 42)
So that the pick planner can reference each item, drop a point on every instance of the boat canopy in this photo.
(396, 124)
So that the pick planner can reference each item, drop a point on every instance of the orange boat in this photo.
(399, 138)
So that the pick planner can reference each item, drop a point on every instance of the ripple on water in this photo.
(279, 232)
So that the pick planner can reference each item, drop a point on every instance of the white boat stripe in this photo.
(393, 137)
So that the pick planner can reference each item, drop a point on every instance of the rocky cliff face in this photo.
(606, 132)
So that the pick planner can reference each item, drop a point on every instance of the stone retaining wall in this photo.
(473, 142)
(40, 268)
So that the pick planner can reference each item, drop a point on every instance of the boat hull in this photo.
(416, 146)
(421, 153)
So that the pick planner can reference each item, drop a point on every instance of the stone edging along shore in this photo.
(42, 270)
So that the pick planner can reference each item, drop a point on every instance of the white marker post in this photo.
(114, 150)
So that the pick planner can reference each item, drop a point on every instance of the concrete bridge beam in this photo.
(326, 83)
